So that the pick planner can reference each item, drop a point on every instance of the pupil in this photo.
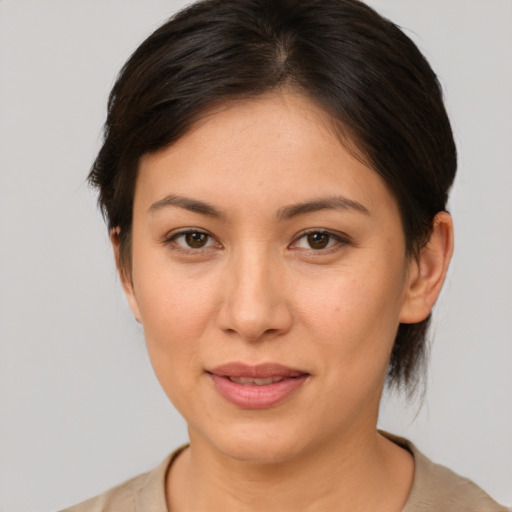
(196, 240)
(318, 240)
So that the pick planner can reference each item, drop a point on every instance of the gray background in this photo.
(80, 408)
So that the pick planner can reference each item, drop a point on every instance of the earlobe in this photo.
(427, 272)
(124, 274)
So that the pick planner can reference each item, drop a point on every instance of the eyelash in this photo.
(173, 236)
(340, 240)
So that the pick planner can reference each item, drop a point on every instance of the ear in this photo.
(428, 271)
(124, 273)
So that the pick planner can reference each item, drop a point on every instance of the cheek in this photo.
(354, 318)
(172, 298)
(175, 312)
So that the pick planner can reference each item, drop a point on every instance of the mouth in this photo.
(256, 386)
(250, 381)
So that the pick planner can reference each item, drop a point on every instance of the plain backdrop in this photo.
(80, 408)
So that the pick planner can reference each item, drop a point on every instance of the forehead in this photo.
(281, 147)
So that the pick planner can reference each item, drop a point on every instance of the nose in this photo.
(254, 300)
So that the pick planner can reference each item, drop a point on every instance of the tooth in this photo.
(242, 380)
(261, 381)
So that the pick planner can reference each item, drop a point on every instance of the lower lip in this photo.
(257, 397)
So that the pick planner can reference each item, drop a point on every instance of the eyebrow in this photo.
(186, 203)
(286, 213)
(323, 203)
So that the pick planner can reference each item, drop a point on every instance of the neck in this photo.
(363, 471)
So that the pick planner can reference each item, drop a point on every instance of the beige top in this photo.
(435, 488)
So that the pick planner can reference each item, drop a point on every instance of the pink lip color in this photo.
(252, 396)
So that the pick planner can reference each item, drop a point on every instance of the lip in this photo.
(254, 396)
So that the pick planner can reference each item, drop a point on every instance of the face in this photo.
(270, 275)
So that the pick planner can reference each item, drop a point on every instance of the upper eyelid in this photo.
(341, 240)
(183, 231)
(170, 238)
(335, 234)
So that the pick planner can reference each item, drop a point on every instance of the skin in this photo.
(258, 291)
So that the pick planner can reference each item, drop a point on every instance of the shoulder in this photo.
(435, 487)
(119, 498)
(139, 494)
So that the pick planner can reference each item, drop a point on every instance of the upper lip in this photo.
(258, 371)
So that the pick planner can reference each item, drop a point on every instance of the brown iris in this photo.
(318, 240)
(196, 240)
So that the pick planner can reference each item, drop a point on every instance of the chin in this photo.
(259, 444)
(260, 451)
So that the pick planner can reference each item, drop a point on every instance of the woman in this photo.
(274, 176)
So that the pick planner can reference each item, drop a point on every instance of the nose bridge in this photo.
(254, 301)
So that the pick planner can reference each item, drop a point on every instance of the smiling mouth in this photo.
(256, 387)
(250, 381)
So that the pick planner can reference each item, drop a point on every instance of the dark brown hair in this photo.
(359, 67)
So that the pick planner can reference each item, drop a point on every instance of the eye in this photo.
(319, 240)
(192, 239)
